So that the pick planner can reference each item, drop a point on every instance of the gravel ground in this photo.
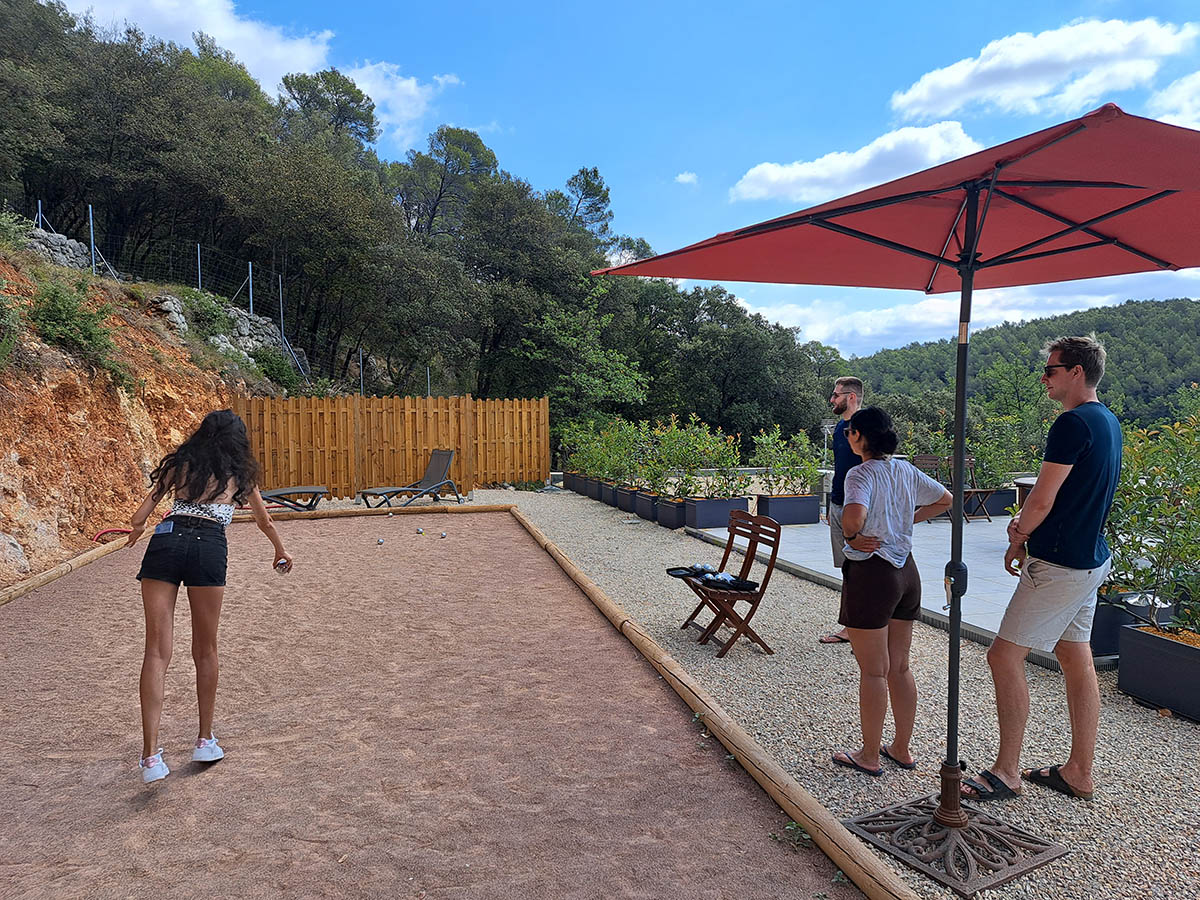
(1139, 838)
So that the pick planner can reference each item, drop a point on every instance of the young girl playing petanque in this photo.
(208, 475)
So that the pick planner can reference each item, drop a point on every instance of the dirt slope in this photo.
(74, 449)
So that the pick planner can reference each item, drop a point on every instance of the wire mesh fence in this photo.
(256, 289)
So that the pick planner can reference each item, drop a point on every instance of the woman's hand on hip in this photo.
(864, 543)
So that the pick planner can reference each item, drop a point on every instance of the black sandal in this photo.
(994, 789)
(1048, 776)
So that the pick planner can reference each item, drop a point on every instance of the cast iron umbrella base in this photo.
(980, 853)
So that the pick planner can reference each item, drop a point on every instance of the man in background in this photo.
(846, 398)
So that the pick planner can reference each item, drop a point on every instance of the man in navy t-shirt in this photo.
(846, 398)
(1057, 548)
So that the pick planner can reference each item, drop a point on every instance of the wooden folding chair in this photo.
(758, 531)
(975, 498)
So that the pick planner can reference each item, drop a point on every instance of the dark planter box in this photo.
(998, 503)
(592, 488)
(625, 498)
(705, 513)
(1159, 671)
(646, 505)
(791, 509)
(569, 481)
(608, 493)
(1109, 620)
(671, 513)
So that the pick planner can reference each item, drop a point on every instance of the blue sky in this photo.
(702, 118)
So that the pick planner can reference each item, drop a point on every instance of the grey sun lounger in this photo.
(302, 497)
(434, 482)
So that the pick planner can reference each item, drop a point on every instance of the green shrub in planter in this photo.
(789, 466)
(1153, 529)
(1154, 534)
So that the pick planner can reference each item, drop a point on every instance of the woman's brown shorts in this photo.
(874, 592)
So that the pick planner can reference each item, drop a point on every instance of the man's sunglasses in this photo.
(1049, 370)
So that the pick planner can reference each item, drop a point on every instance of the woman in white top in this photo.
(881, 588)
(208, 474)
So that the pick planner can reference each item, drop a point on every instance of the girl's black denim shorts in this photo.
(188, 550)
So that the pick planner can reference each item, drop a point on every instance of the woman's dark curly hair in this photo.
(201, 467)
(875, 426)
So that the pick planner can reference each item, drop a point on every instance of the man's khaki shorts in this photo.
(1052, 603)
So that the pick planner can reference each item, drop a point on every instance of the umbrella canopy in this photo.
(1105, 194)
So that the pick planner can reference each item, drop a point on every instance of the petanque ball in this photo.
(380, 541)
(420, 531)
(443, 534)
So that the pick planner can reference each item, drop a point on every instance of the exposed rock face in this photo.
(62, 251)
(74, 450)
(172, 310)
(248, 334)
(251, 332)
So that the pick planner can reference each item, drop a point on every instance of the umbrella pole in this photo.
(950, 811)
(967, 854)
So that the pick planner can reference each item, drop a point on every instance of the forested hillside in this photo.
(442, 260)
(1153, 351)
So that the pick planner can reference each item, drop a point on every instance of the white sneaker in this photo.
(153, 768)
(207, 750)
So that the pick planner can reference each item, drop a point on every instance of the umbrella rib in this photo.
(1079, 226)
(1063, 183)
(817, 218)
(1044, 253)
(1020, 201)
(946, 246)
(884, 242)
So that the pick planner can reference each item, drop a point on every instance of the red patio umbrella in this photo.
(1105, 194)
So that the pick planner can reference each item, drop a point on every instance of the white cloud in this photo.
(1179, 102)
(1063, 70)
(889, 156)
(686, 178)
(401, 101)
(268, 51)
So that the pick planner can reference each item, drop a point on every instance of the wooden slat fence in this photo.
(351, 443)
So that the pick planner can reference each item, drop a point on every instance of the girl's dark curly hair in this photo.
(875, 426)
(201, 467)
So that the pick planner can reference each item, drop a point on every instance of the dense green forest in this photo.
(443, 259)
(1153, 352)
(446, 260)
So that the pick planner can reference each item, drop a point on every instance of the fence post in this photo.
(199, 278)
(92, 238)
(282, 337)
(468, 433)
(250, 279)
(37, 223)
(360, 372)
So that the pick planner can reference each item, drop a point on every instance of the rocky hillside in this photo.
(77, 438)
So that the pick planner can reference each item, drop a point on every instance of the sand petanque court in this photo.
(426, 717)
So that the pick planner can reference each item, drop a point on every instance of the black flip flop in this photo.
(994, 789)
(849, 763)
(886, 755)
(832, 639)
(1048, 776)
